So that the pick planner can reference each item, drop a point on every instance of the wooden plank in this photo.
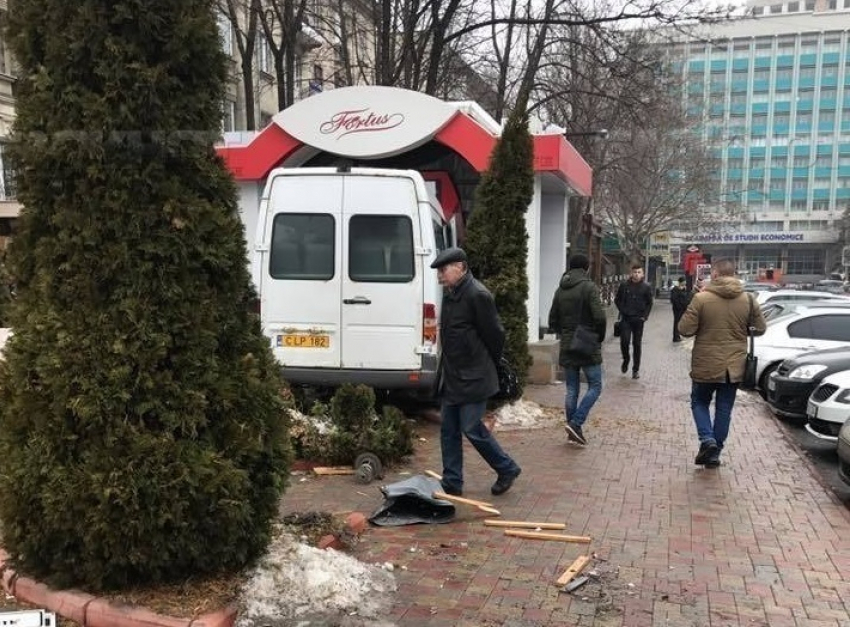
(481, 505)
(433, 474)
(524, 524)
(534, 535)
(575, 568)
(334, 470)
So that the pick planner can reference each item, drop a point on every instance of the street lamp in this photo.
(601, 133)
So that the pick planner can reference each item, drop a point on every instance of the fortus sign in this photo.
(366, 122)
(360, 121)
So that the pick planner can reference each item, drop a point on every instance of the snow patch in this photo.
(296, 584)
(523, 414)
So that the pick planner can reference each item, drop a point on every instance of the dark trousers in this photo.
(631, 331)
(677, 315)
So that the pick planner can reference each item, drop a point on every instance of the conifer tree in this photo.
(497, 241)
(142, 433)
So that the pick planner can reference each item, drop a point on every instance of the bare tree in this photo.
(283, 23)
(242, 15)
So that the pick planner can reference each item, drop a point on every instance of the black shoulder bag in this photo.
(751, 364)
(585, 341)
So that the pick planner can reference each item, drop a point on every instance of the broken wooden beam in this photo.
(535, 535)
(524, 524)
(575, 568)
(481, 505)
(433, 474)
(334, 470)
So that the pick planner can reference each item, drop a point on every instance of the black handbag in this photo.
(585, 341)
(509, 389)
(617, 327)
(752, 362)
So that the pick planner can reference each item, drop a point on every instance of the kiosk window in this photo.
(380, 249)
(302, 247)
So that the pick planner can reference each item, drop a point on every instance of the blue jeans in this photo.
(465, 419)
(577, 413)
(724, 400)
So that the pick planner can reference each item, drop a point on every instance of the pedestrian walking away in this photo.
(680, 298)
(577, 302)
(472, 339)
(634, 302)
(719, 317)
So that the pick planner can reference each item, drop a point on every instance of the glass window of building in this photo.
(810, 5)
(760, 119)
(777, 183)
(808, 46)
(826, 117)
(805, 261)
(822, 183)
(832, 4)
(776, 8)
(820, 205)
(785, 43)
(804, 119)
(784, 74)
(764, 44)
(798, 206)
(828, 71)
(758, 10)
(782, 119)
(828, 93)
(799, 183)
(756, 163)
(793, 7)
(778, 161)
(807, 72)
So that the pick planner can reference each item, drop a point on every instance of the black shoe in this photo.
(714, 462)
(708, 450)
(504, 483)
(635, 374)
(574, 434)
(677, 339)
(624, 367)
(453, 491)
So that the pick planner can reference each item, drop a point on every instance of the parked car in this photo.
(831, 285)
(775, 309)
(765, 297)
(829, 406)
(758, 286)
(844, 452)
(804, 330)
(789, 386)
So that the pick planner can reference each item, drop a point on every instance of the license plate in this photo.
(303, 340)
(771, 384)
(811, 410)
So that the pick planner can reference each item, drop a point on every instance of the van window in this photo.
(302, 247)
(380, 249)
(440, 236)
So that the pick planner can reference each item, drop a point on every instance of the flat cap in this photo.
(450, 255)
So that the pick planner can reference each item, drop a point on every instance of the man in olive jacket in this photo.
(472, 339)
(718, 316)
(577, 302)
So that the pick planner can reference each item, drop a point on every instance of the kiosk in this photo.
(450, 143)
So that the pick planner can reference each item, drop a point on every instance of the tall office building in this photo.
(772, 90)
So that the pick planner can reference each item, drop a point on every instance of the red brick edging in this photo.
(91, 611)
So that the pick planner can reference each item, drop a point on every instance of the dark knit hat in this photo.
(579, 261)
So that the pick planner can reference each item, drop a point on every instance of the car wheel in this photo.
(764, 377)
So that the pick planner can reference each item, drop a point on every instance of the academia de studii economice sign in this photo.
(366, 122)
(781, 237)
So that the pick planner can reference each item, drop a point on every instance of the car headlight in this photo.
(843, 397)
(806, 372)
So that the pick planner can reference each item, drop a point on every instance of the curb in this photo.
(92, 611)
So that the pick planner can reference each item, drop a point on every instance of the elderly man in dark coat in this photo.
(577, 302)
(471, 339)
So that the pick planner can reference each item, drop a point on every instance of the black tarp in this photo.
(410, 502)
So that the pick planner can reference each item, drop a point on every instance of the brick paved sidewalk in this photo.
(757, 542)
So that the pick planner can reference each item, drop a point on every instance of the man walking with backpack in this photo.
(577, 303)
(634, 302)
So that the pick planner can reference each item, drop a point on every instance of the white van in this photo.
(342, 267)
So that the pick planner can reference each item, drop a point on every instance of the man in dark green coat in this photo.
(577, 302)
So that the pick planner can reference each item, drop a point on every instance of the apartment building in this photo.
(773, 92)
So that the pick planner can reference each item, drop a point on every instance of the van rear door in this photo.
(382, 284)
(300, 273)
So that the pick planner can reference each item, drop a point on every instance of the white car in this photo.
(800, 331)
(829, 406)
(769, 296)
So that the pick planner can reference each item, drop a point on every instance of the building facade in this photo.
(773, 93)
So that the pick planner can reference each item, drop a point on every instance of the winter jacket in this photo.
(718, 317)
(472, 339)
(565, 315)
(634, 300)
(680, 297)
